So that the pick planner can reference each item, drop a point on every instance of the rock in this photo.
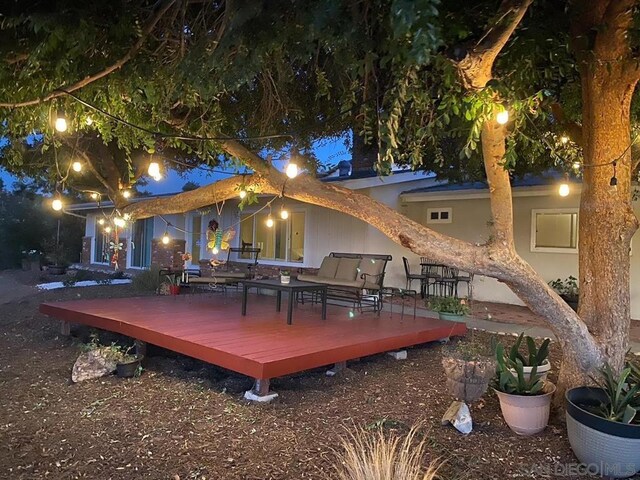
(459, 416)
(92, 364)
(398, 355)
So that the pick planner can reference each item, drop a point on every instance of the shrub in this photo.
(147, 280)
(453, 305)
(374, 456)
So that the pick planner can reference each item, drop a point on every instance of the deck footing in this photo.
(260, 392)
(336, 369)
(398, 354)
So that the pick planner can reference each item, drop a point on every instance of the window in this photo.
(101, 246)
(439, 215)
(284, 241)
(141, 236)
(554, 231)
(195, 238)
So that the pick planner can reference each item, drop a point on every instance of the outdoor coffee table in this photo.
(293, 288)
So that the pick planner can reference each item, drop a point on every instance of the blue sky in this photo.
(329, 151)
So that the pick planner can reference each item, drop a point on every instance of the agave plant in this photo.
(622, 403)
(536, 356)
(517, 384)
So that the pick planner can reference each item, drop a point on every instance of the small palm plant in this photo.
(623, 400)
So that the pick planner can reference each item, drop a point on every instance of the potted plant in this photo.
(603, 422)
(59, 266)
(525, 404)
(285, 276)
(568, 290)
(127, 364)
(174, 284)
(449, 308)
(536, 357)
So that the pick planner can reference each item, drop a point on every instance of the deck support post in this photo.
(398, 354)
(65, 328)
(336, 369)
(260, 391)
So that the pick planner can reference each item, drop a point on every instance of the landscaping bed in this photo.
(186, 419)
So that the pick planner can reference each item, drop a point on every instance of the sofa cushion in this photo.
(328, 267)
(347, 269)
(372, 268)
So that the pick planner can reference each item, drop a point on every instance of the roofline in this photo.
(474, 194)
(380, 181)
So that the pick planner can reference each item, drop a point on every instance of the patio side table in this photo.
(293, 288)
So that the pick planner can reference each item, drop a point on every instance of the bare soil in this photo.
(184, 419)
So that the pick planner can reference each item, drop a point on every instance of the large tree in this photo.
(419, 81)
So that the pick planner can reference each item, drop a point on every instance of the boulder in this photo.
(92, 364)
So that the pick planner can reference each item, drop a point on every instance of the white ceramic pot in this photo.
(541, 372)
(285, 278)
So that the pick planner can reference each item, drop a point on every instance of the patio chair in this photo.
(466, 277)
(432, 272)
(412, 276)
(448, 282)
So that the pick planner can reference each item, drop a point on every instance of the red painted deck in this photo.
(260, 345)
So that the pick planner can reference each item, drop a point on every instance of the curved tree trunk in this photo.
(607, 221)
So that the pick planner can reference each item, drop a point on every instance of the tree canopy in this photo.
(277, 74)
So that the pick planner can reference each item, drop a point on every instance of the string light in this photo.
(613, 183)
(56, 204)
(77, 166)
(89, 121)
(61, 121)
(107, 229)
(284, 213)
(126, 193)
(502, 116)
(292, 170)
(119, 222)
(126, 216)
(154, 171)
(564, 189)
(269, 221)
(564, 139)
(243, 193)
(95, 195)
(101, 221)
(165, 238)
(576, 165)
(215, 250)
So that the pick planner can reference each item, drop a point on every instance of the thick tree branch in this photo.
(475, 68)
(162, 9)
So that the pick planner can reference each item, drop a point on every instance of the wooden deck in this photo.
(260, 345)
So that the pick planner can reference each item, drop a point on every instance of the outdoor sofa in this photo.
(355, 277)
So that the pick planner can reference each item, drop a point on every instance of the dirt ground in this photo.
(184, 419)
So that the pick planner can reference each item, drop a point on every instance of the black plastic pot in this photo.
(129, 369)
(606, 448)
(572, 301)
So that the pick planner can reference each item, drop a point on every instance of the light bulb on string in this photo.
(126, 193)
(119, 222)
(126, 216)
(215, 250)
(243, 193)
(563, 189)
(89, 121)
(269, 221)
(77, 166)
(564, 139)
(101, 221)
(502, 116)
(292, 170)
(576, 165)
(107, 229)
(154, 170)
(94, 195)
(613, 183)
(61, 121)
(56, 204)
(284, 213)
(165, 238)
